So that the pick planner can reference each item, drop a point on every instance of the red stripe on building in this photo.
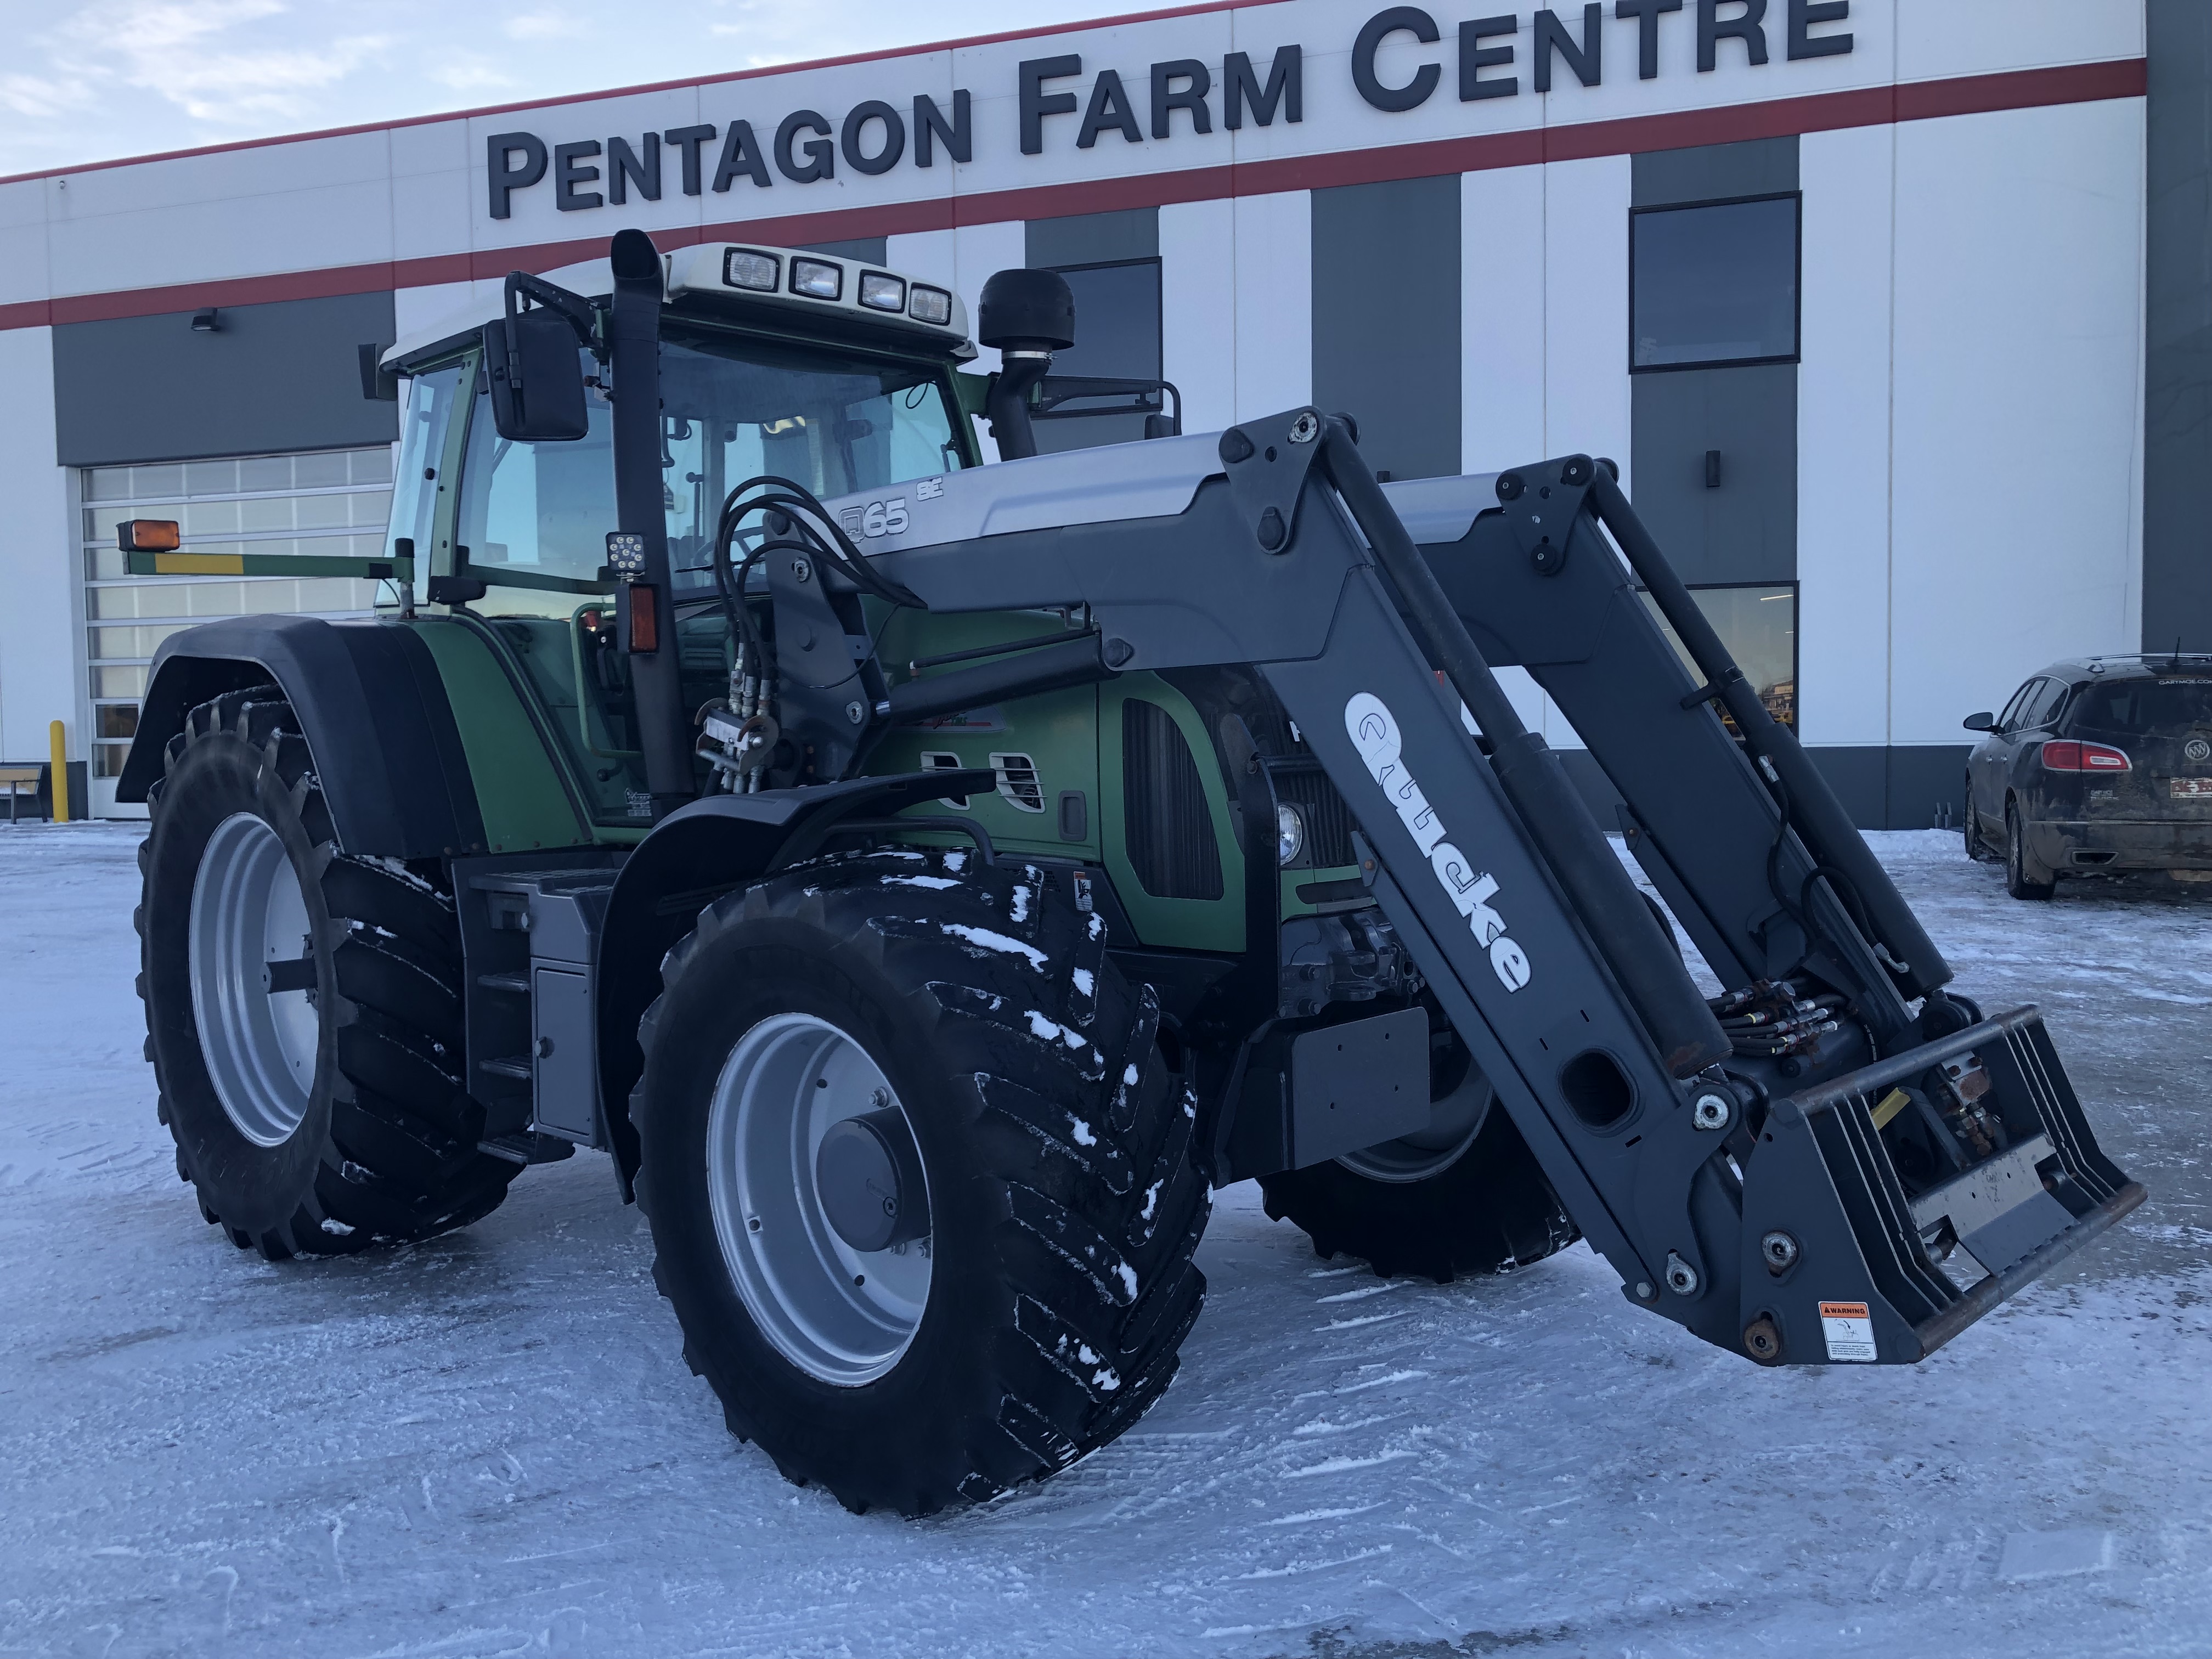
(1973, 95)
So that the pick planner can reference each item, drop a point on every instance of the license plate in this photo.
(2192, 788)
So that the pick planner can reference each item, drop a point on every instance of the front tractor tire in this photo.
(918, 1174)
(303, 1008)
(1465, 1198)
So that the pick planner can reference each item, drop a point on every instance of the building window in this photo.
(1757, 626)
(327, 504)
(1117, 337)
(1713, 283)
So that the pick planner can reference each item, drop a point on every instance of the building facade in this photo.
(1896, 314)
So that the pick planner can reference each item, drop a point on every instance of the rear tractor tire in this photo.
(918, 1174)
(1466, 1198)
(303, 1009)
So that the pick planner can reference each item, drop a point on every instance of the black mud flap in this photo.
(1888, 1275)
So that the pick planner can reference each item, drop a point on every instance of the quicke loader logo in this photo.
(1374, 731)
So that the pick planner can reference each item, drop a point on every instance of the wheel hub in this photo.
(868, 1172)
(250, 956)
(820, 1199)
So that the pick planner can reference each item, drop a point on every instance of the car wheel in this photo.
(2025, 878)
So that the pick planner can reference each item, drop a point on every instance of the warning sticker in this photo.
(1849, 1330)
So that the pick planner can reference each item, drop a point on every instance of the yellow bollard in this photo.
(58, 745)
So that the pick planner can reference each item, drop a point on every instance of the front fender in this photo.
(372, 706)
(691, 857)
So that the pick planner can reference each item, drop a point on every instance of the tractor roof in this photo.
(788, 288)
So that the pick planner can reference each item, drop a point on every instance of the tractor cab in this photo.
(833, 374)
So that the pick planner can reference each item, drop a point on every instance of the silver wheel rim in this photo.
(1454, 1122)
(840, 1315)
(248, 916)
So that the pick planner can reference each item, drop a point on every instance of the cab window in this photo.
(2043, 707)
(537, 515)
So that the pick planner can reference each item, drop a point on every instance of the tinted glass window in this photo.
(1117, 336)
(1714, 284)
(2145, 706)
(2042, 704)
(1757, 626)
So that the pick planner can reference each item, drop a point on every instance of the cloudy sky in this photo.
(85, 80)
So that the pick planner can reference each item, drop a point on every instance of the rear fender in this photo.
(691, 857)
(372, 706)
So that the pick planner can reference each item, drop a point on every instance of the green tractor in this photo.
(928, 881)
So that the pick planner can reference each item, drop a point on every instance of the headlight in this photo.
(1290, 832)
(818, 279)
(930, 305)
(754, 271)
(880, 292)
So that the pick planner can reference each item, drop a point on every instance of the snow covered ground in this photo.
(489, 1445)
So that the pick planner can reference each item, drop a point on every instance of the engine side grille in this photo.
(1165, 818)
(1328, 820)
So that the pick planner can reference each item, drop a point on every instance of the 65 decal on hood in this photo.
(1373, 732)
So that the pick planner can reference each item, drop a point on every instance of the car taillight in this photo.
(2064, 755)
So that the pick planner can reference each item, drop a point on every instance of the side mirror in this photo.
(1984, 721)
(379, 385)
(535, 377)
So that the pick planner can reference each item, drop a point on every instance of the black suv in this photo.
(2100, 767)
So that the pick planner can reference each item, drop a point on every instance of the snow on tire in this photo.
(1042, 1313)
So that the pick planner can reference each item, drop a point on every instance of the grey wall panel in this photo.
(868, 249)
(1917, 782)
(1746, 530)
(276, 377)
(1386, 319)
(1092, 238)
(2177, 338)
(1881, 788)
(1760, 167)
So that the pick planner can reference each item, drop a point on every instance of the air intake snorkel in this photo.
(1025, 316)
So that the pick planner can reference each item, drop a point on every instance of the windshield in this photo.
(2145, 706)
(732, 407)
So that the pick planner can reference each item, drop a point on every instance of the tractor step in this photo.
(1867, 1280)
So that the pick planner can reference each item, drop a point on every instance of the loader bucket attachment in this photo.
(2042, 1191)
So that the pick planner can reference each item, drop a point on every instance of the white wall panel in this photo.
(1585, 243)
(2018, 390)
(23, 239)
(156, 246)
(39, 655)
(1198, 310)
(435, 196)
(1985, 37)
(1585, 251)
(1844, 437)
(1274, 302)
(448, 306)
(1501, 231)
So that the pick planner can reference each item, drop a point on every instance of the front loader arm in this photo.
(1704, 824)
(1545, 961)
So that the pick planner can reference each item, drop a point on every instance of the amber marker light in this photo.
(147, 536)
